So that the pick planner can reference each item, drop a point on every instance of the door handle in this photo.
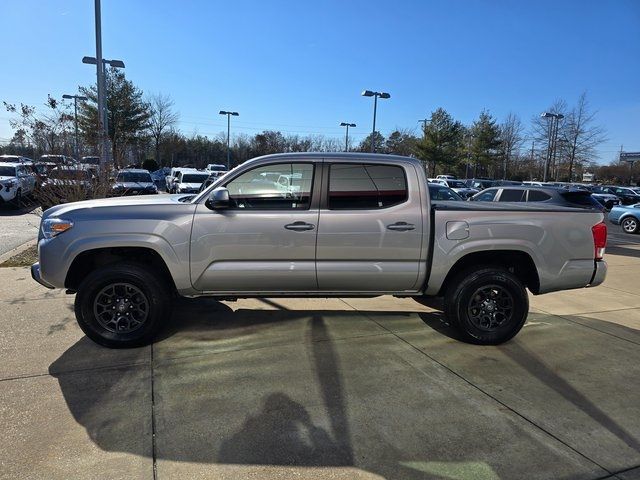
(401, 227)
(299, 226)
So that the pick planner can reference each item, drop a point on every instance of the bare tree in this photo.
(543, 135)
(511, 139)
(50, 131)
(162, 119)
(581, 134)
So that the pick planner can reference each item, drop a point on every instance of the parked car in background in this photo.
(133, 182)
(505, 183)
(627, 216)
(16, 181)
(14, 159)
(441, 193)
(66, 184)
(607, 200)
(171, 177)
(189, 181)
(59, 160)
(626, 195)
(217, 169)
(479, 183)
(461, 188)
(445, 177)
(553, 195)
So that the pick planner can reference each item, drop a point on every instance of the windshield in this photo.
(217, 168)
(133, 177)
(194, 178)
(443, 193)
(91, 160)
(6, 171)
(69, 174)
(456, 184)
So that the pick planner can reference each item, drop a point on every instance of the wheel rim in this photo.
(490, 307)
(630, 225)
(121, 308)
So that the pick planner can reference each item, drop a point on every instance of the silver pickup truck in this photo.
(340, 225)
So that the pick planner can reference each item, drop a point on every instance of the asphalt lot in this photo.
(324, 388)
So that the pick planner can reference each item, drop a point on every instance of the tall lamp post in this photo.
(375, 95)
(228, 114)
(75, 119)
(552, 134)
(103, 111)
(346, 137)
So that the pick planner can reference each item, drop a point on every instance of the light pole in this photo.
(229, 114)
(551, 144)
(346, 137)
(75, 119)
(375, 95)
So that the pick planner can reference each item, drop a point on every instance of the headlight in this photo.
(55, 226)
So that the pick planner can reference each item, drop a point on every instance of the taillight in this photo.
(599, 232)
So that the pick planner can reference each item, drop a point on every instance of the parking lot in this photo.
(325, 388)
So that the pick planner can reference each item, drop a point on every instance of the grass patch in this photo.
(23, 259)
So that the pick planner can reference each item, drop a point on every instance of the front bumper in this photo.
(35, 274)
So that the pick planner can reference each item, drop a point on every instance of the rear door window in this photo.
(511, 195)
(538, 196)
(354, 186)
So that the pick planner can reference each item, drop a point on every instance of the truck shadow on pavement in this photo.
(267, 422)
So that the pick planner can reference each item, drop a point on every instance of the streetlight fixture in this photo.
(375, 95)
(346, 137)
(552, 135)
(75, 119)
(228, 114)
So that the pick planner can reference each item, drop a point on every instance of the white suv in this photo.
(16, 181)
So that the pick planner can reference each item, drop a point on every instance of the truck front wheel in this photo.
(122, 305)
(486, 305)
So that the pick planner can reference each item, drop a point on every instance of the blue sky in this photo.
(299, 66)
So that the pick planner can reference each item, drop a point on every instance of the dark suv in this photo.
(555, 195)
(626, 195)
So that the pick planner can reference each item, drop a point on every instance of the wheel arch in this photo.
(87, 261)
(516, 261)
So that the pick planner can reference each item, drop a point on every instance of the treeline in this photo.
(143, 128)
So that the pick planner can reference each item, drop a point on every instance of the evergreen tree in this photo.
(441, 141)
(485, 142)
(128, 114)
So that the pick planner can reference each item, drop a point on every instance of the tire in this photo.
(608, 205)
(486, 305)
(630, 225)
(140, 299)
(17, 201)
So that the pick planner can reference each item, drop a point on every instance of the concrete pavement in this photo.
(353, 388)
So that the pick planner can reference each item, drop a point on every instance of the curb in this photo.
(19, 249)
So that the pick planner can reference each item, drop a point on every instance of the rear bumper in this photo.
(35, 274)
(599, 274)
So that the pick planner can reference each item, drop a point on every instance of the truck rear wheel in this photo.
(486, 305)
(122, 305)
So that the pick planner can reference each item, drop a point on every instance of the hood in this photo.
(65, 208)
(131, 185)
(189, 185)
(2, 179)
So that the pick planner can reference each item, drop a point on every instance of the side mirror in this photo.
(218, 199)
